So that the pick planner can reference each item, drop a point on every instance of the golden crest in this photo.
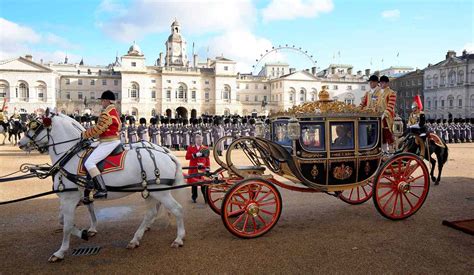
(342, 172)
(314, 171)
(367, 168)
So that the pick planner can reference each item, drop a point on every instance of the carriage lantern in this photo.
(397, 126)
(294, 129)
(259, 129)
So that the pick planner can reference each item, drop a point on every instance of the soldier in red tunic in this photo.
(197, 154)
(107, 130)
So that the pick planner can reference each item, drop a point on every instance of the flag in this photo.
(382, 60)
(398, 54)
(339, 53)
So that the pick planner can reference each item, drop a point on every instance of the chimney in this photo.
(349, 71)
(359, 73)
(450, 54)
(464, 53)
(367, 72)
(292, 70)
(195, 60)
(29, 57)
(208, 62)
(313, 70)
(307, 70)
(160, 60)
(333, 70)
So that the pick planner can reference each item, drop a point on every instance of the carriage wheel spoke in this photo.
(350, 195)
(365, 192)
(391, 170)
(411, 205)
(389, 199)
(245, 222)
(413, 179)
(257, 193)
(384, 195)
(399, 166)
(267, 212)
(266, 195)
(414, 195)
(254, 224)
(390, 180)
(239, 219)
(395, 203)
(407, 169)
(236, 212)
(401, 204)
(267, 203)
(239, 203)
(213, 201)
(358, 193)
(262, 220)
(412, 170)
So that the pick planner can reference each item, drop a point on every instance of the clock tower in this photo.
(176, 47)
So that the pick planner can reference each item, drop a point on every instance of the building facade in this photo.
(395, 71)
(174, 86)
(407, 86)
(449, 87)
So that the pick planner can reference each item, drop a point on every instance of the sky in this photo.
(366, 34)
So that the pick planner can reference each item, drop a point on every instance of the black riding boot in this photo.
(101, 190)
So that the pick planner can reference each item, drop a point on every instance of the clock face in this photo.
(176, 50)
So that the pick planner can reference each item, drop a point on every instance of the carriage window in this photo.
(368, 133)
(342, 135)
(312, 136)
(280, 133)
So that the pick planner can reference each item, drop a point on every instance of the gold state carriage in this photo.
(324, 146)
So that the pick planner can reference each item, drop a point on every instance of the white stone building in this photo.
(449, 87)
(396, 71)
(173, 86)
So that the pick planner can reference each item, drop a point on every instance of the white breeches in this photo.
(101, 152)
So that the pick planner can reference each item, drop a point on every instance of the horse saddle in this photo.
(114, 162)
(436, 139)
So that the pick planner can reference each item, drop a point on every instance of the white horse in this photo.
(63, 128)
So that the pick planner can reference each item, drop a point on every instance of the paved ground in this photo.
(316, 233)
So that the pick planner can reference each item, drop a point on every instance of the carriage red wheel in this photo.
(251, 208)
(401, 186)
(215, 196)
(357, 195)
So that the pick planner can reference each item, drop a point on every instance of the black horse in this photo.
(425, 147)
(14, 130)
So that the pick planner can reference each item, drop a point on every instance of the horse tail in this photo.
(178, 177)
(445, 155)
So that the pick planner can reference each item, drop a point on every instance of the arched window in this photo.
(450, 101)
(3, 89)
(182, 92)
(23, 92)
(291, 95)
(461, 77)
(472, 102)
(41, 90)
(459, 102)
(168, 95)
(442, 80)
(452, 78)
(428, 81)
(134, 91)
(302, 95)
(472, 76)
(349, 98)
(428, 103)
(206, 95)
(435, 80)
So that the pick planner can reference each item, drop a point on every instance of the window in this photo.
(291, 97)
(79, 95)
(429, 104)
(168, 81)
(3, 90)
(435, 80)
(312, 136)
(40, 90)
(193, 95)
(302, 96)
(23, 91)
(256, 98)
(78, 71)
(451, 101)
(460, 102)
(182, 94)
(207, 82)
(349, 101)
(246, 86)
(237, 97)
(79, 82)
(194, 81)
(442, 79)
(362, 88)
(168, 95)
(206, 95)
(92, 82)
(256, 86)
(153, 94)
(89, 71)
(349, 87)
(442, 103)
(461, 77)
(342, 135)
(452, 78)
(100, 72)
(92, 95)
(115, 82)
(226, 93)
(226, 68)
(104, 82)
(134, 64)
(435, 104)
(116, 96)
(134, 91)
(68, 81)
(334, 87)
(153, 81)
(247, 98)
(368, 133)
(264, 87)
(68, 95)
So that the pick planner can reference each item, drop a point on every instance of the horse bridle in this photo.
(38, 126)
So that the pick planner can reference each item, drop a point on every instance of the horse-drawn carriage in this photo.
(322, 146)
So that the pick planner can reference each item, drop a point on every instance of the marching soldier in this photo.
(228, 132)
(154, 132)
(245, 132)
(175, 135)
(132, 130)
(469, 128)
(142, 129)
(185, 135)
(167, 134)
(217, 133)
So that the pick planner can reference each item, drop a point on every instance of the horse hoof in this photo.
(54, 259)
(85, 235)
(176, 244)
(91, 233)
(436, 183)
(147, 229)
(433, 179)
(132, 245)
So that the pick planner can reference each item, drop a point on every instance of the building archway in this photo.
(168, 113)
(193, 113)
(181, 112)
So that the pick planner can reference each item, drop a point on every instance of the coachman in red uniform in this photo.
(197, 154)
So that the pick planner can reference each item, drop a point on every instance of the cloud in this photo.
(17, 40)
(391, 14)
(292, 9)
(144, 17)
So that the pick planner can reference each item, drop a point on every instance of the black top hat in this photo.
(373, 78)
(108, 95)
(384, 78)
(252, 121)
(152, 120)
(142, 120)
